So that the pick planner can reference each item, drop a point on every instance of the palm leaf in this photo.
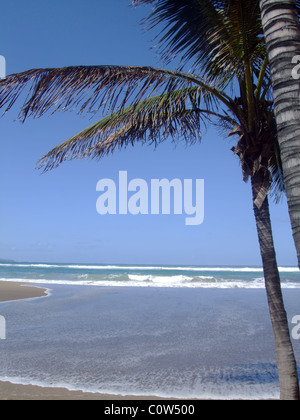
(216, 36)
(175, 114)
(277, 188)
(91, 88)
(186, 26)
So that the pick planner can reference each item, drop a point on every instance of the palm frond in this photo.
(186, 25)
(298, 7)
(176, 114)
(91, 88)
(277, 188)
(238, 40)
(216, 36)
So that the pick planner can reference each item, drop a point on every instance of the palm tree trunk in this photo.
(286, 362)
(282, 33)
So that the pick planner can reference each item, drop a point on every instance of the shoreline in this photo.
(10, 291)
(17, 392)
(10, 391)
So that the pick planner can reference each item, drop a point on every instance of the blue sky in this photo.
(52, 217)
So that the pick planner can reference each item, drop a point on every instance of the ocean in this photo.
(184, 332)
(144, 275)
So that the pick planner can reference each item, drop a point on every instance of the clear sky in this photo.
(53, 217)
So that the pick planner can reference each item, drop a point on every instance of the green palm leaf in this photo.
(177, 114)
(91, 88)
(217, 37)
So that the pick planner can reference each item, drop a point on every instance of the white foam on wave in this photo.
(159, 281)
(221, 387)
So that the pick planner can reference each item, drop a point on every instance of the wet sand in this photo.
(9, 391)
(15, 291)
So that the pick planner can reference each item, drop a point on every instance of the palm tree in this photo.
(282, 33)
(229, 85)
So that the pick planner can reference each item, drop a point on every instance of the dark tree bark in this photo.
(286, 362)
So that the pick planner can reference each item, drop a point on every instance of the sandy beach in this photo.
(15, 291)
(9, 391)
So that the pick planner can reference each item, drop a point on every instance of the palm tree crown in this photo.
(223, 43)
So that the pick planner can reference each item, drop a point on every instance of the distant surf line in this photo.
(147, 267)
